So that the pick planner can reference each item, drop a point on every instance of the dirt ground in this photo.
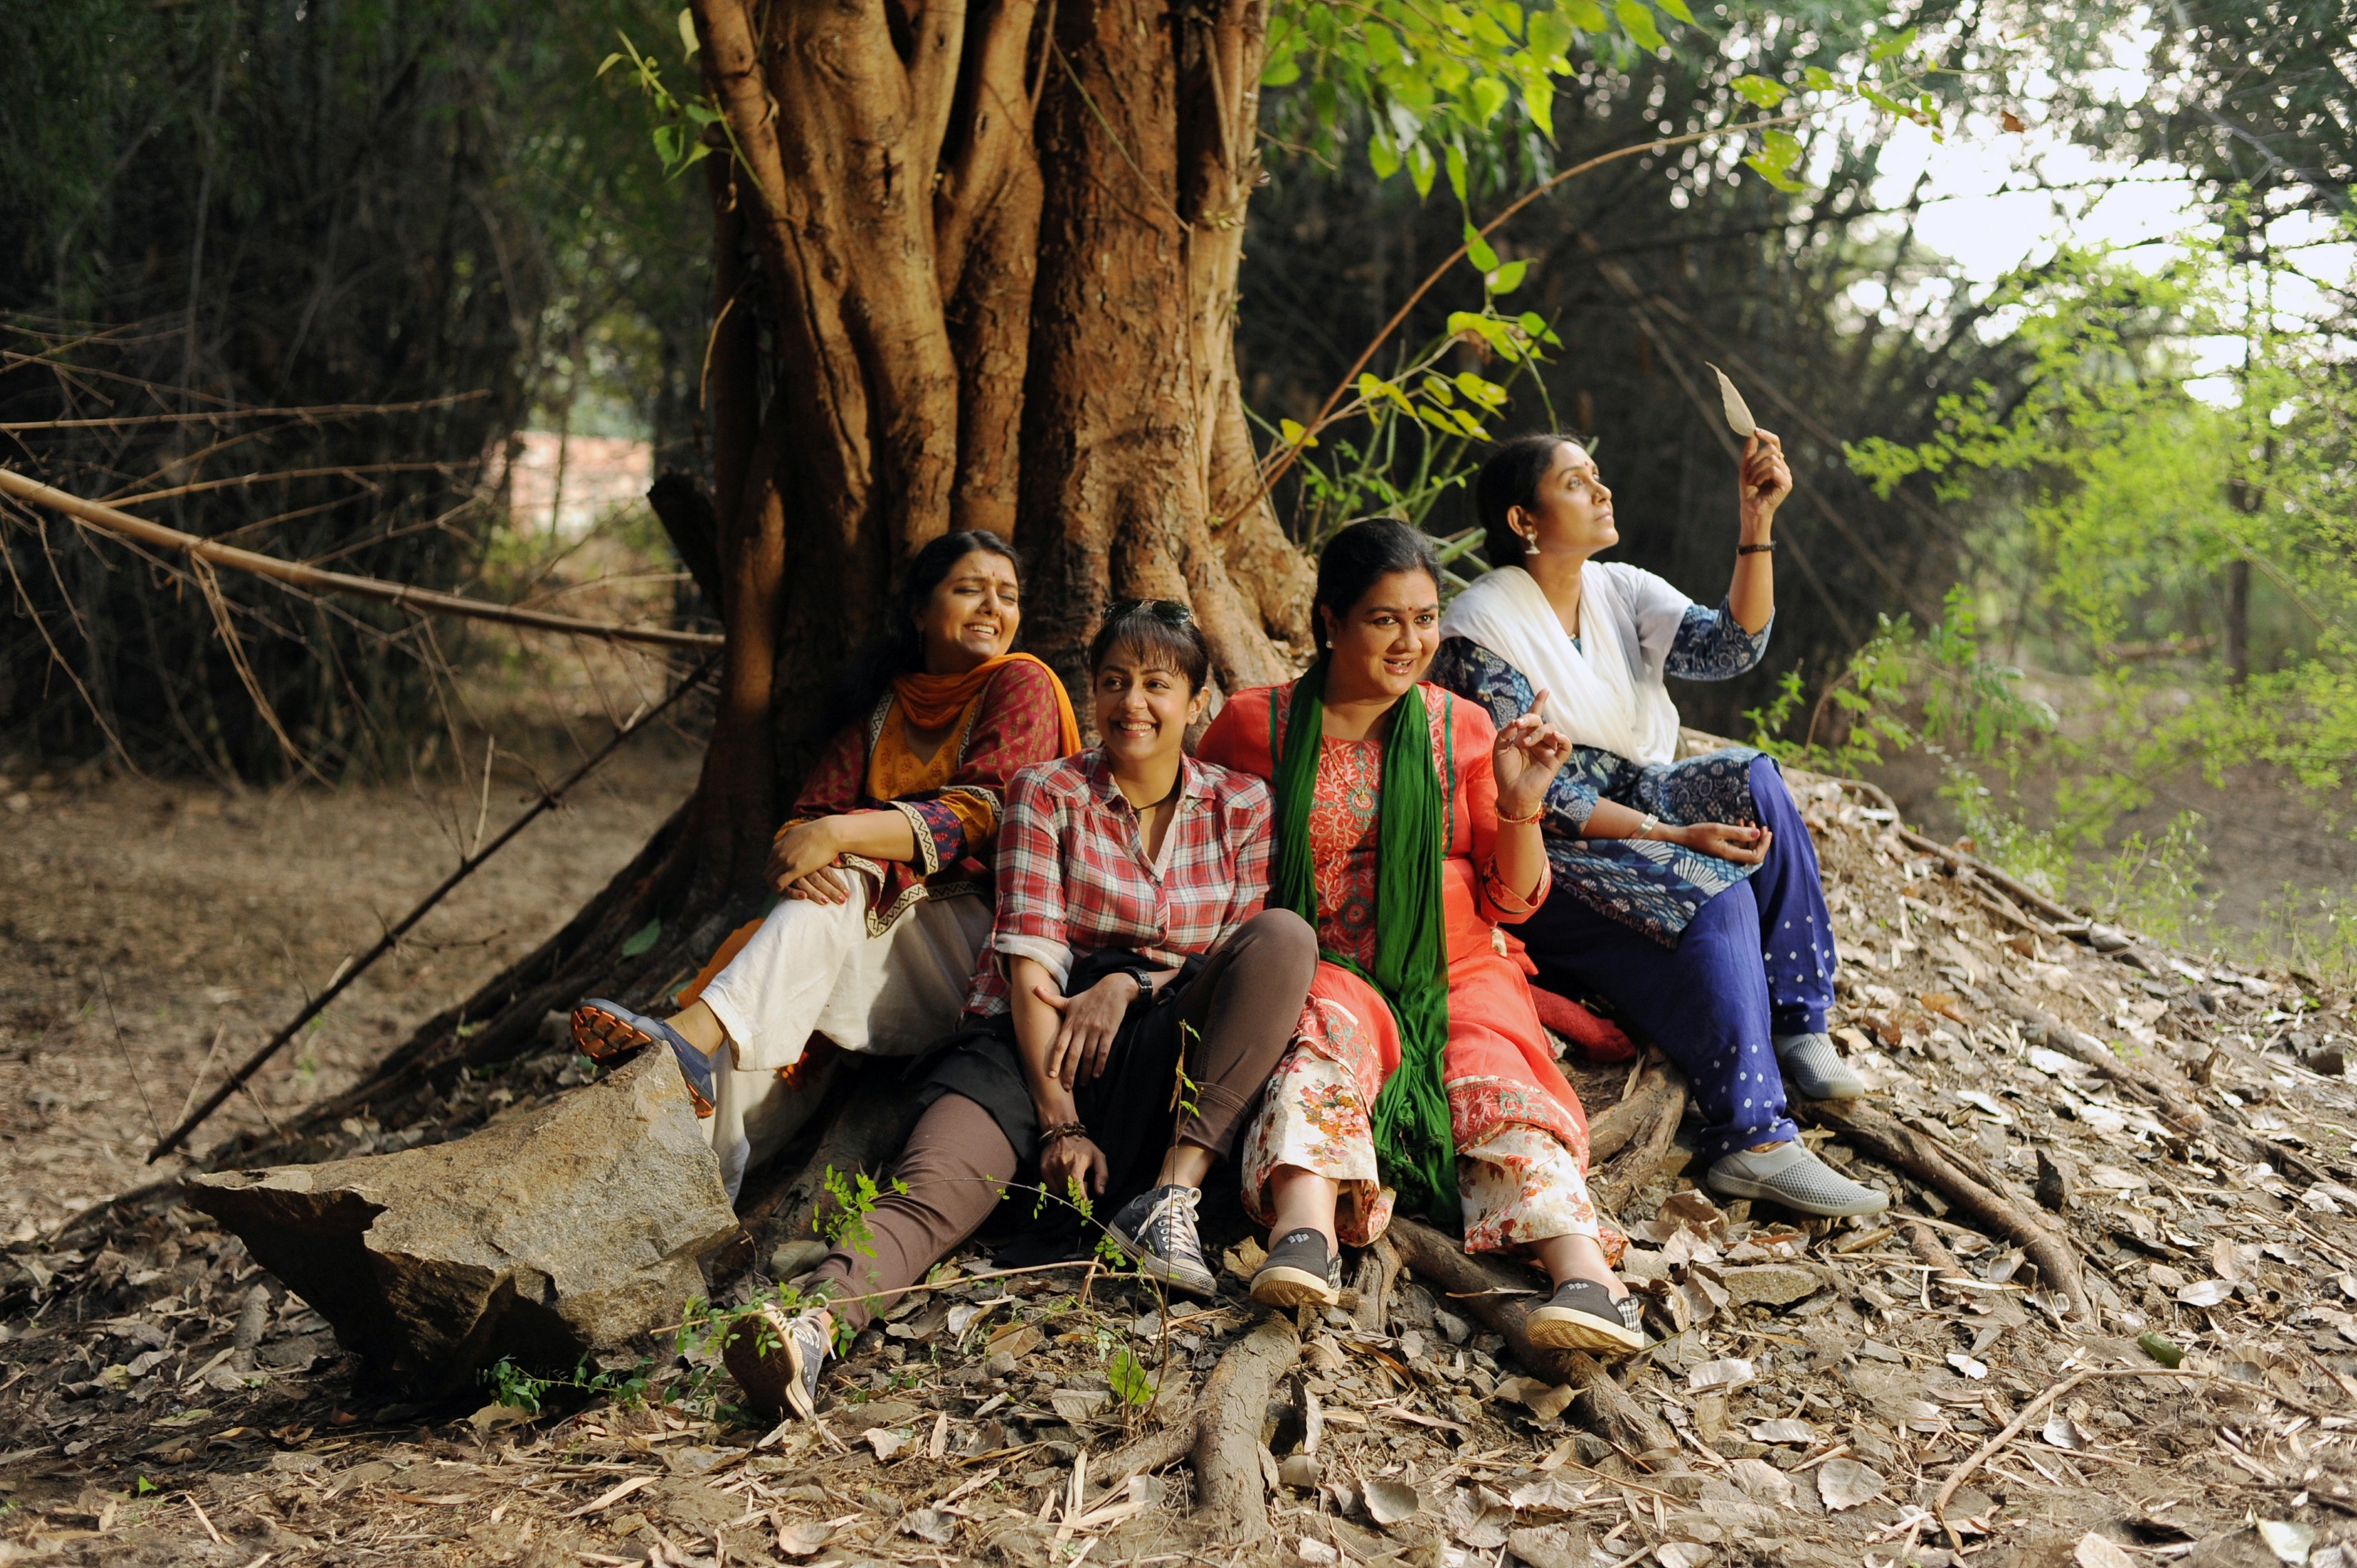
(2185, 1128)
(152, 935)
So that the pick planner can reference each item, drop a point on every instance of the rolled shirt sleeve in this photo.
(1711, 645)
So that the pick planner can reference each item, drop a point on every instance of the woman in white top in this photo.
(1685, 893)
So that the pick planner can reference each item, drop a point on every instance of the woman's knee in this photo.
(1281, 940)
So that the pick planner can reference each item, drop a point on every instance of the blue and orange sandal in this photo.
(605, 1032)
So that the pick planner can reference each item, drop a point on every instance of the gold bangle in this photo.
(1506, 821)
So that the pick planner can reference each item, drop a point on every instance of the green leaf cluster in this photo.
(1429, 83)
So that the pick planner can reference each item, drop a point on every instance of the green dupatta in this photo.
(1413, 1142)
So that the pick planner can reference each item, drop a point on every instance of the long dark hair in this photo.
(1366, 551)
(1509, 479)
(901, 649)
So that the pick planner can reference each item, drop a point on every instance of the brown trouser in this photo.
(1241, 1005)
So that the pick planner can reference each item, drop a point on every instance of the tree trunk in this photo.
(976, 267)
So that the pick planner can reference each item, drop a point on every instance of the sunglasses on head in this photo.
(1169, 611)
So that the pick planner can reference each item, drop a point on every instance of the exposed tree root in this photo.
(1964, 1183)
(1378, 1267)
(1609, 1130)
(1159, 1449)
(1645, 1145)
(2158, 1085)
(1231, 1495)
(1475, 1285)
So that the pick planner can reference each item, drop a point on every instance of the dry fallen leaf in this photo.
(1968, 1366)
(802, 1539)
(2290, 1540)
(1784, 1431)
(1718, 1376)
(2101, 1551)
(2205, 1292)
(1389, 1501)
(1846, 1483)
(1681, 1555)
(1309, 1549)
(1553, 1495)
(886, 1444)
(930, 1525)
(2061, 1434)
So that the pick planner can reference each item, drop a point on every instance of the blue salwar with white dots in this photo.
(1708, 1001)
(1668, 934)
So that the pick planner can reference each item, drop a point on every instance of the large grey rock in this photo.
(561, 1231)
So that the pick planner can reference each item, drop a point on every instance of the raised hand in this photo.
(1529, 753)
(1766, 479)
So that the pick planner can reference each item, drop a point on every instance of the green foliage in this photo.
(512, 1386)
(2126, 500)
(1131, 1382)
(855, 1194)
(679, 123)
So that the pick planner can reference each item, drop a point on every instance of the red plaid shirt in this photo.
(1073, 873)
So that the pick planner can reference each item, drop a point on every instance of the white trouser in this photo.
(812, 969)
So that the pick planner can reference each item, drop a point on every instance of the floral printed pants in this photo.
(1518, 1185)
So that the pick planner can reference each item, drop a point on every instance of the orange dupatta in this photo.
(934, 702)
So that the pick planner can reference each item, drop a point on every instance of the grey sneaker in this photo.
(1814, 1070)
(1789, 1174)
(1300, 1271)
(1157, 1230)
(777, 1360)
(1583, 1314)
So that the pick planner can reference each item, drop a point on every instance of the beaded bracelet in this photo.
(1061, 1131)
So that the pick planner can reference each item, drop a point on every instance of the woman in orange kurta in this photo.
(1464, 1027)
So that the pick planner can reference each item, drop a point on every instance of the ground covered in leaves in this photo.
(2183, 1129)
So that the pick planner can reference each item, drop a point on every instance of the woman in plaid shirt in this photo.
(1132, 999)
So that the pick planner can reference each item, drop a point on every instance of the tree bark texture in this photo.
(977, 266)
(979, 262)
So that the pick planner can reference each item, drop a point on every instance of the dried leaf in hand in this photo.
(1389, 1501)
(1731, 404)
(1846, 1483)
(2205, 1292)
(2095, 1551)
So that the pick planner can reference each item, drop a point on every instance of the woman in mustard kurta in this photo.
(884, 866)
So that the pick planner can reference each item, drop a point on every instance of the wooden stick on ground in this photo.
(112, 520)
(2031, 1410)
(1955, 1177)
(393, 936)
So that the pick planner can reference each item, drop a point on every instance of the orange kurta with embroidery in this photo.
(1499, 1071)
